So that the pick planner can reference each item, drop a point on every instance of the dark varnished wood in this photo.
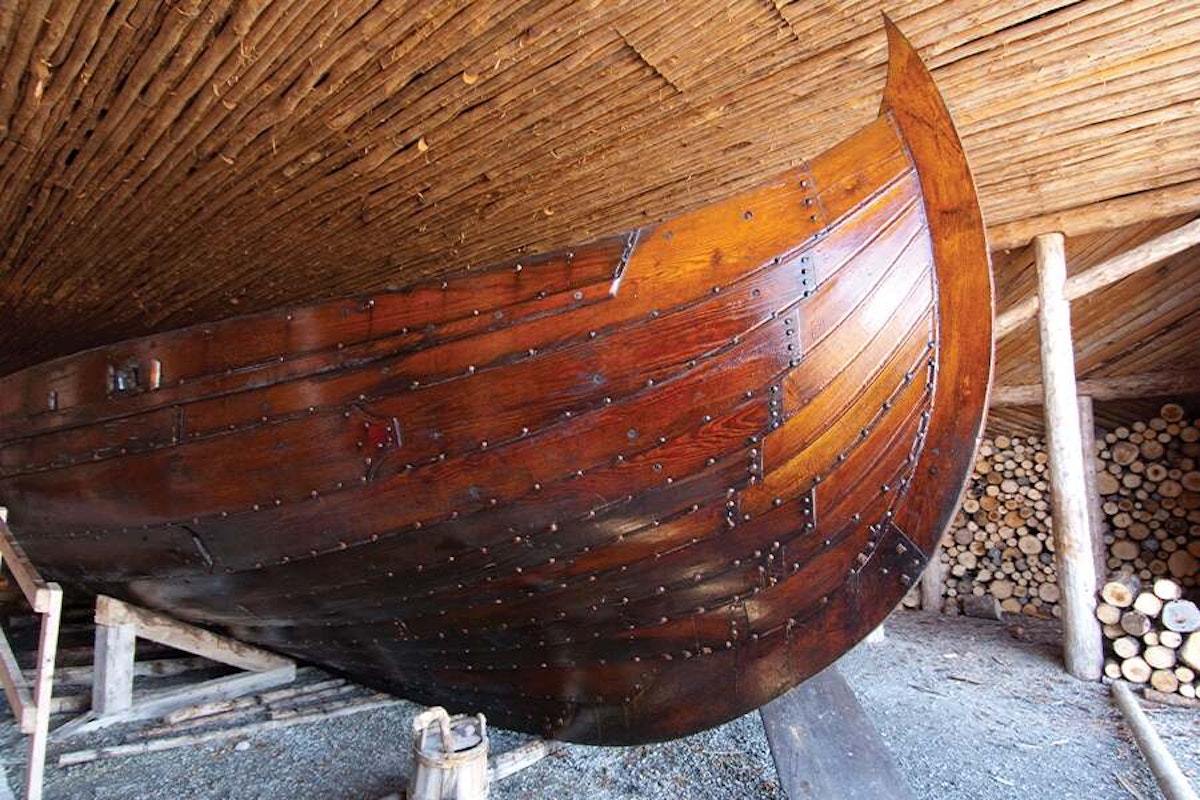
(580, 492)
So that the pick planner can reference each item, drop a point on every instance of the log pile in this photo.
(1000, 545)
(1151, 634)
(1150, 486)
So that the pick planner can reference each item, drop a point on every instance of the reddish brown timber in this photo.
(576, 492)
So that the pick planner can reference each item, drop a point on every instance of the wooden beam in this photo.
(15, 687)
(34, 588)
(933, 582)
(1106, 273)
(1121, 387)
(1095, 505)
(1082, 640)
(188, 638)
(152, 668)
(43, 688)
(1171, 780)
(825, 746)
(1169, 201)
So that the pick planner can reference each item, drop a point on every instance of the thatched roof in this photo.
(169, 163)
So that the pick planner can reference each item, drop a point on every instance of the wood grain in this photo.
(171, 164)
(575, 491)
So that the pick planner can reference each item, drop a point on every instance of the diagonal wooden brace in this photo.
(118, 627)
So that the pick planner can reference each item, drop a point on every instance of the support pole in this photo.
(1082, 641)
(1087, 434)
(1171, 780)
(933, 582)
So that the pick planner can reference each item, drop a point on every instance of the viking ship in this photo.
(614, 494)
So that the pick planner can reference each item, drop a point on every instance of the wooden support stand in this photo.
(112, 684)
(119, 625)
(825, 747)
(933, 580)
(32, 709)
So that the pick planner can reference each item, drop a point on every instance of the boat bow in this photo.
(614, 494)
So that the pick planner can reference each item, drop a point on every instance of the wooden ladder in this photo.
(31, 704)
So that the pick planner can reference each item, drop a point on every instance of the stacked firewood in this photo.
(1000, 545)
(1151, 634)
(1150, 486)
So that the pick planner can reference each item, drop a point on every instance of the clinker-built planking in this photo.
(615, 494)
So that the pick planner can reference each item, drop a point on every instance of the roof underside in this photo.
(166, 164)
(1146, 323)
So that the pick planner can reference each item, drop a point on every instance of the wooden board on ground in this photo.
(825, 746)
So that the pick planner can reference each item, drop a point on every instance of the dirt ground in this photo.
(970, 709)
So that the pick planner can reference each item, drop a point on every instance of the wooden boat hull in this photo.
(612, 495)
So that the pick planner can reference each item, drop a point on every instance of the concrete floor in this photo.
(970, 709)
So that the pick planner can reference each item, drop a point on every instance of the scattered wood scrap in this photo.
(319, 698)
(169, 742)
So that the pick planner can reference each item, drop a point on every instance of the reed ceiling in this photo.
(165, 163)
(1146, 323)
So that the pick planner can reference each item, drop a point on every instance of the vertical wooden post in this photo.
(43, 690)
(1087, 433)
(1082, 641)
(933, 581)
(32, 710)
(112, 684)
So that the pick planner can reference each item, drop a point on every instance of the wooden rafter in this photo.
(1124, 387)
(1118, 212)
(1107, 273)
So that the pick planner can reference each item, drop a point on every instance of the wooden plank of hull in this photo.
(244, 349)
(700, 459)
